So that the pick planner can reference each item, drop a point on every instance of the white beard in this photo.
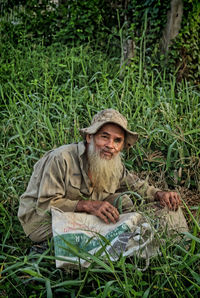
(104, 173)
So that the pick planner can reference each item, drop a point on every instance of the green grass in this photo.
(47, 94)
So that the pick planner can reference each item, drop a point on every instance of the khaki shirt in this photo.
(60, 179)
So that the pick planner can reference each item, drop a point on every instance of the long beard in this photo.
(104, 173)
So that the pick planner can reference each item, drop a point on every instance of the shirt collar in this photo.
(81, 148)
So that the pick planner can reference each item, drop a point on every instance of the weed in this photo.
(47, 94)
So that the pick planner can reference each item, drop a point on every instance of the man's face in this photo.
(108, 141)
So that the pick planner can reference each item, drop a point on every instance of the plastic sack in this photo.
(131, 235)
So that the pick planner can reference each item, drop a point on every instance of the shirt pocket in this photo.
(73, 189)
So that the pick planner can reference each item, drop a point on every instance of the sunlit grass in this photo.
(47, 94)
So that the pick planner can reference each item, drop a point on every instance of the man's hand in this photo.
(102, 209)
(170, 199)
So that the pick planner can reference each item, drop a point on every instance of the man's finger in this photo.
(113, 211)
(102, 216)
(175, 202)
(166, 202)
(112, 215)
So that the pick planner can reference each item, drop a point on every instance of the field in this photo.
(46, 95)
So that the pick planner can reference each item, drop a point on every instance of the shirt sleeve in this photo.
(132, 182)
(53, 186)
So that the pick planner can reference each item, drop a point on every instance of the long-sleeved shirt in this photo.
(60, 179)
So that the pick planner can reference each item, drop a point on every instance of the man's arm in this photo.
(53, 185)
(167, 199)
(132, 182)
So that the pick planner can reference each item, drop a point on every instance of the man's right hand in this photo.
(102, 209)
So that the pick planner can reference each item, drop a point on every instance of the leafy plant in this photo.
(45, 94)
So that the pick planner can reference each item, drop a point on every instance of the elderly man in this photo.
(87, 177)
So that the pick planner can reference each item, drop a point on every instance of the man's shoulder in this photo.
(65, 154)
(64, 150)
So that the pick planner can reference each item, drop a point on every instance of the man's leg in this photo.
(121, 202)
(43, 232)
(164, 220)
(174, 221)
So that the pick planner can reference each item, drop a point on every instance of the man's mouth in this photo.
(107, 154)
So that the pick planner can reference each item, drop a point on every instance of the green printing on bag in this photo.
(83, 241)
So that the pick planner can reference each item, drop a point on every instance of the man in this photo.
(87, 177)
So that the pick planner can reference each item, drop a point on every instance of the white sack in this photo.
(132, 234)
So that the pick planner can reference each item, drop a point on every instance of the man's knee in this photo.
(43, 232)
(121, 201)
(126, 203)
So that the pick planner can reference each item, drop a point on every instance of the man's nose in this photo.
(110, 144)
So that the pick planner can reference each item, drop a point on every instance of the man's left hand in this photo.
(168, 199)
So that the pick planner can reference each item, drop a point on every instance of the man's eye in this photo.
(118, 140)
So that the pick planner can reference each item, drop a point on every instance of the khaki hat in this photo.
(110, 116)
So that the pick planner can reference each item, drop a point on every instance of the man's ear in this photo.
(88, 138)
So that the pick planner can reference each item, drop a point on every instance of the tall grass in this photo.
(47, 94)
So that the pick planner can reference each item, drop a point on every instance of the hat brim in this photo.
(130, 137)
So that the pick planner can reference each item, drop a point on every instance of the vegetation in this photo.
(46, 94)
(75, 22)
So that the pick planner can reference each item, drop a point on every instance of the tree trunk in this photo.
(128, 52)
(171, 30)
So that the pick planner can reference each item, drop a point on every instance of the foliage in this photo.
(69, 21)
(146, 20)
(144, 23)
(49, 77)
(78, 21)
(47, 94)
(185, 50)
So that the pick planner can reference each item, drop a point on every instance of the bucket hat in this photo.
(111, 116)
